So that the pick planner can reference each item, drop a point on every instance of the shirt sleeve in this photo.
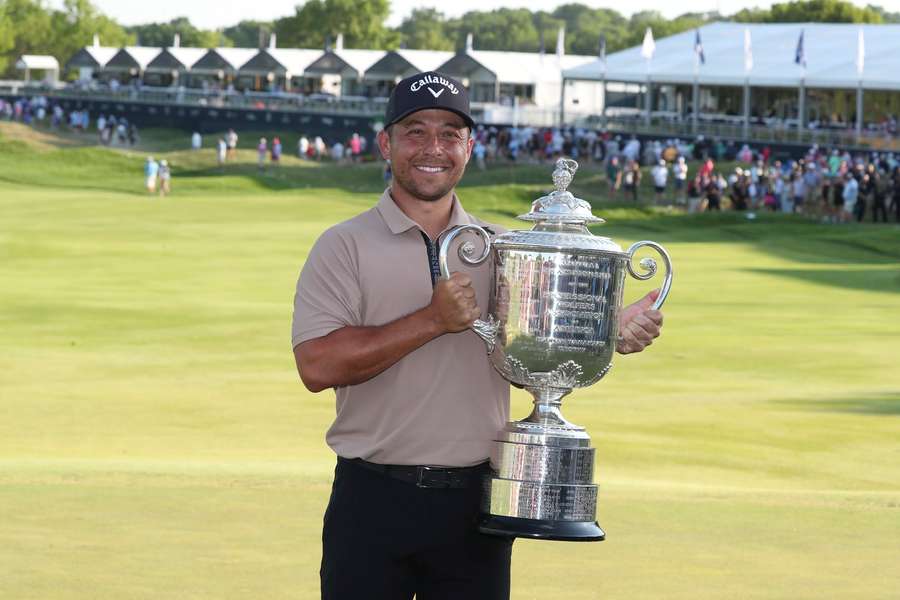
(328, 295)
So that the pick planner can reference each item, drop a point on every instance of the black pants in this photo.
(385, 539)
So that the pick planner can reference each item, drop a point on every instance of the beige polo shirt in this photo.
(443, 403)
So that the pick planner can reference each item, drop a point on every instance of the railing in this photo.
(215, 99)
(623, 121)
(781, 132)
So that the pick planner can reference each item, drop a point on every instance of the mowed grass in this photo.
(155, 441)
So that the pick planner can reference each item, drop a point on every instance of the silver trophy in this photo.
(552, 326)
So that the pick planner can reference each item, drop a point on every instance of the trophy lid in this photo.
(560, 206)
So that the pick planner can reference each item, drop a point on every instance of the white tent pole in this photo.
(649, 95)
(859, 111)
(562, 103)
(695, 95)
(605, 96)
(746, 108)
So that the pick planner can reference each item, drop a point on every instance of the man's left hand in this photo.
(639, 325)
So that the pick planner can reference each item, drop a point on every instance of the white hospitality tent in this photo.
(283, 68)
(396, 65)
(342, 69)
(36, 62)
(91, 59)
(219, 66)
(830, 50)
(520, 78)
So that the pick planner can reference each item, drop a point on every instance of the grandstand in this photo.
(762, 80)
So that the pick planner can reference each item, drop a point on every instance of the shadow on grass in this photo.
(870, 280)
(886, 404)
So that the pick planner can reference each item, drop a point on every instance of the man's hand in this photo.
(639, 325)
(453, 304)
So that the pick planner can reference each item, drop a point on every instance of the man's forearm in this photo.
(352, 355)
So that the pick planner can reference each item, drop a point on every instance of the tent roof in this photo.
(425, 60)
(337, 61)
(93, 56)
(295, 60)
(524, 67)
(37, 61)
(178, 57)
(235, 57)
(830, 50)
(399, 63)
(134, 56)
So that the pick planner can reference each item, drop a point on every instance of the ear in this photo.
(384, 144)
(470, 144)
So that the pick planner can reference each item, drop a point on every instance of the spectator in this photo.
(276, 150)
(261, 150)
(679, 175)
(165, 179)
(196, 141)
(851, 194)
(231, 140)
(303, 147)
(660, 174)
(221, 151)
(355, 148)
(151, 170)
(613, 175)
(337, 152)
(631, 179)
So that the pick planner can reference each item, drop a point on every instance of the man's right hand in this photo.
(453, 303)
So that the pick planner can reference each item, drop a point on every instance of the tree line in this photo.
(33, 27)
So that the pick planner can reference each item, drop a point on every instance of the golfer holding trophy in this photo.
(419, 316)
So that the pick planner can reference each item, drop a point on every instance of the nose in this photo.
(431, 145)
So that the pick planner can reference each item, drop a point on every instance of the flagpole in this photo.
(746, 108)
(562, 103)
(801, 109)
(649, 93)
(860, 69)
(603, 111)
(859, 110)
(695, 95)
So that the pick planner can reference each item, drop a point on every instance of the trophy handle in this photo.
(649, 267)
(486, 330)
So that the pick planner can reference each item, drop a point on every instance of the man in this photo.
(151, 169)
(418, 403)
(660, 174)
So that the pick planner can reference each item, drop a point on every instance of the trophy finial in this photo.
(564, 173)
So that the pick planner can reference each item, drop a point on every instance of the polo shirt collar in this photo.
(398, 222)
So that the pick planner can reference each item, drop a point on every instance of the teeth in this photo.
(431, 169)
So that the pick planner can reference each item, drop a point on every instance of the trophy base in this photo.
(564, 531)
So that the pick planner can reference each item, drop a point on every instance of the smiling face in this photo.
(428, 151)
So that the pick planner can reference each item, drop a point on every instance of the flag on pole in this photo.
(748, 51)
(698, 49)
(860, 53)
(800, 55)
(648, 47)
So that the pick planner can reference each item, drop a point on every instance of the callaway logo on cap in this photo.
(428, 90)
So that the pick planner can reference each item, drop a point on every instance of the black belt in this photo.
(425, 476)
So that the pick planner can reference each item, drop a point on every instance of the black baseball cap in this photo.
(428, 90)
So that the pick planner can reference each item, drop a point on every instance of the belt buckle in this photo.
(423, 471)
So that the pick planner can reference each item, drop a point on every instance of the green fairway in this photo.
(156, 443)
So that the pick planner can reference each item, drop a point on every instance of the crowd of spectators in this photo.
(111, 129)
(832, 185)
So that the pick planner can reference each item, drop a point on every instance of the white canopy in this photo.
(830, 50)
(526, 67)
(37, 62)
